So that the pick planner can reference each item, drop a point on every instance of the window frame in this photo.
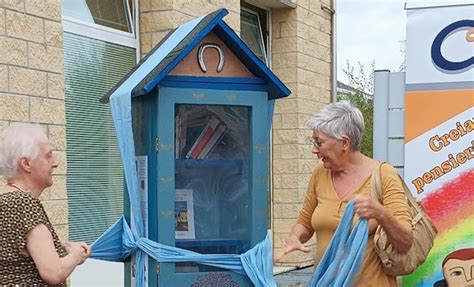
(268, 35)
(107, 34)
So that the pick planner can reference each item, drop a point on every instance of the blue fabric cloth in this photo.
(118, 242)
(343, 258)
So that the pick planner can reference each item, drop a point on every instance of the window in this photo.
(100, 47)
(109, 13)
(253, 26)
(95, 176)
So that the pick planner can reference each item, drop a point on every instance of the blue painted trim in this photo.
(186, 51)
(214, 83)
(239, 80)
(251, 60)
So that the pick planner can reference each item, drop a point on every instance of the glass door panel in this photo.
(212, 196)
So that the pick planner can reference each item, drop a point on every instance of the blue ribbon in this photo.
(344, 256)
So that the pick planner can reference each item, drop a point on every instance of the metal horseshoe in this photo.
(201, 56)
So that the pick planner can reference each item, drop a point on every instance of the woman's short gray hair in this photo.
(340, 119)
(17, 141)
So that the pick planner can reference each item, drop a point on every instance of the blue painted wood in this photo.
(215, 83)
(165, 180)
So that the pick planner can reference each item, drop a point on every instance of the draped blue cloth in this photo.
(344, 256)
(118, 242)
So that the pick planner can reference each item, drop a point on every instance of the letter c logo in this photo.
(438, 57)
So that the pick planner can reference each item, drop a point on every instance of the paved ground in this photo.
(294, 278)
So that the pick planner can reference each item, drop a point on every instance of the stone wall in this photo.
(32, 84)
(158, 17)
(301, 57)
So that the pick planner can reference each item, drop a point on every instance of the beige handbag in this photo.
(424, 232)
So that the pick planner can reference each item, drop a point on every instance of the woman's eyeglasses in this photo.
(315, 143)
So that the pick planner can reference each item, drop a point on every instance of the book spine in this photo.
(214, 141)
(203, 138)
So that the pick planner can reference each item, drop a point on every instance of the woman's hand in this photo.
(80, 250)
(292, 243)
(365, 207)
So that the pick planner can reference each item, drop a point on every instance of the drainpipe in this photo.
(332, 11)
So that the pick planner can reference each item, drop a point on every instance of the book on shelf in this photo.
(203, 138)
(213, 141)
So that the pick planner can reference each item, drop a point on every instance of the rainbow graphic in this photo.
(439, 128)
(451, 209)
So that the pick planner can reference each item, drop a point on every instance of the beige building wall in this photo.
(32, 84)
(301, 47)
(158, 17)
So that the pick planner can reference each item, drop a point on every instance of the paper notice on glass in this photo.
(184, 214)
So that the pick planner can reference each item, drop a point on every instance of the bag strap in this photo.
(376, 190)
(376, 183)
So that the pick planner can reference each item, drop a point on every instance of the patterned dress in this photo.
(19, 213)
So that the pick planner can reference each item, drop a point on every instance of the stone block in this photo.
(286, 75)
(285, 195)
(14, 51)
(307, 165)
(27, 81)
(285, 136)
(276, 150)
(276, 181)
(282, 45)
(285, 166)
(276, 123)
(62, 230)
(290, 181)
(48, 111)
(57, 211)
(288, 29)
(56, 86)
(289, 60)
(145, 5)
(286, 105)
(283, 224)
(313, 64)
(290, 210)
(233, 20)
(53, 33)
(320, 37)
(61, 159)
(3, 78)
(57, 137)
(57, 190)
(289, 121)
(276, 30)
(2, 22)
(23, 26)
(145, 43)
(46, 58)
(49, 9)
(157, 21)
(289, 151)
(18, 5)
(282, 15)
(14, 108)
(156, 37)
(159, 5)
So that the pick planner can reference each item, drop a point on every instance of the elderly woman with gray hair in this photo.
(31, 253)
(344, 173)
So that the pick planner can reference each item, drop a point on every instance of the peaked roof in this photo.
(179, 42)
